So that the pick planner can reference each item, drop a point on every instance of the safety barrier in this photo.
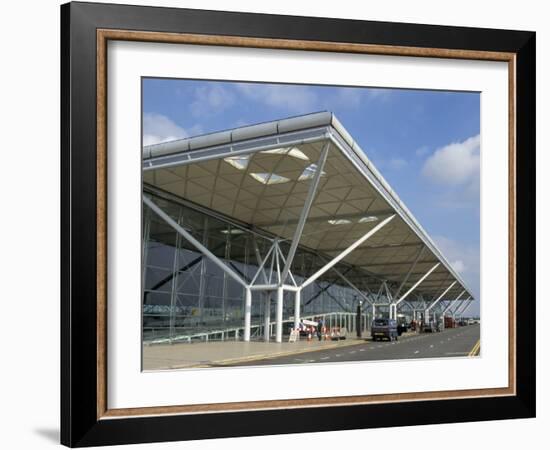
(341, 320)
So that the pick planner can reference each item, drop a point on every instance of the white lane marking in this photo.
(338, 355)
(431, 346)
(352, 352)
(418, 351)
(441, 342)
(325, 357)
(362, 350)
(379, 346)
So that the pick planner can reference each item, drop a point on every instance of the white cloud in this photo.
(295, 99)
(211, 100)
(159, 128)
(454, 164)
(393, 163)
(458, 265)
(464, 258)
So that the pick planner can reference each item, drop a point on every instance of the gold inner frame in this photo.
(104, 35)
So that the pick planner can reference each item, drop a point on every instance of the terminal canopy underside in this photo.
(263, 184)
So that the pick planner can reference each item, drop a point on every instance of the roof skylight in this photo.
(339, 221)
(232, 231)
(269, 178)
(239, 162)
(368, 219)
(309, 172)
(290, 151)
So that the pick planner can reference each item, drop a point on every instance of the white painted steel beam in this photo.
(466, 305)
(452, 303)
(346, 252)
(458, 306)
(283, 277)
(247, 313)
(267, 312)
(305, 210)
(155, 208)
(440, 297)
(297, 299)
(350, 284)
(223, 151)
(262, 265)
(279, 315)
(402, 285)
(263, 287)
(415, 285)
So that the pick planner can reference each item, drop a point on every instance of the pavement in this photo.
(216, 353)
(454, 342)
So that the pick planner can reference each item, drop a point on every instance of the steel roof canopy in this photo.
(260, 175)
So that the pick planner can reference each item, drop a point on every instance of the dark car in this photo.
(384, 328)
(402, 325)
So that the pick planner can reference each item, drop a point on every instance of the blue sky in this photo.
(425, 143)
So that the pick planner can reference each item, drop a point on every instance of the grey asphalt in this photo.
(454, 342)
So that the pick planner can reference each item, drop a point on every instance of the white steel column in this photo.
(247, 313)
(346, 252)
(305, 211)
(297, 308)
(267, 312)
(279, 315)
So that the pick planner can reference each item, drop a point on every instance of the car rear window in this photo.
(381, 322)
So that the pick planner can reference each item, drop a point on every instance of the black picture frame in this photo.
(80, 425)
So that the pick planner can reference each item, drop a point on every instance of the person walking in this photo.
(320, 325)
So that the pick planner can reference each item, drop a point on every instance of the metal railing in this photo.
(332, 320)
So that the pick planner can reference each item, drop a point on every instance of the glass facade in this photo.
(186, 296)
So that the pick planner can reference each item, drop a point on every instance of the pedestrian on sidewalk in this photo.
(320, 325)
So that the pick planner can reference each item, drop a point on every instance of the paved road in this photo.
(449, 343)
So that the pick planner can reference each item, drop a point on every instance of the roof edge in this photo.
(240, 134)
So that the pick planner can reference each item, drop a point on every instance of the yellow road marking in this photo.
(475, 349)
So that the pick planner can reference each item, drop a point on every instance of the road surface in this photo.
(449, 343)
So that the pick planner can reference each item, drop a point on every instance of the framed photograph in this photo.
(277, 224)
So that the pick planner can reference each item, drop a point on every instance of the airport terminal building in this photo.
(249, 231)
